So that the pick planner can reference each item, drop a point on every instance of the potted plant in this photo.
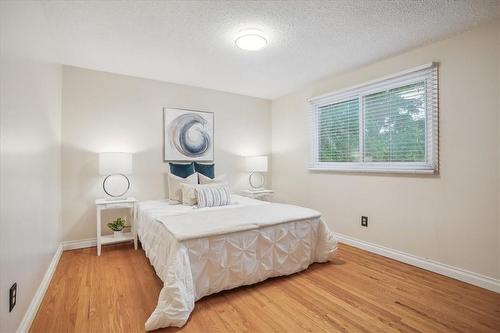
(117, 227)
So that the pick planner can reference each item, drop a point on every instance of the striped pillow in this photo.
(213, 195)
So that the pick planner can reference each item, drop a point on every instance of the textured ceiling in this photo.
(192, 42)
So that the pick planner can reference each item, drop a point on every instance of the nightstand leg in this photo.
(98, 231)
(134, 218)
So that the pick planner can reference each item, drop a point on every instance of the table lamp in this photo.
(256, 165)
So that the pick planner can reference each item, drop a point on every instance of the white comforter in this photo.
(198, 252)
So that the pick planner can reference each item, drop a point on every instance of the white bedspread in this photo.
(220, 255)
(207, 223)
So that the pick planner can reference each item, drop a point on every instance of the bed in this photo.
(198, 252)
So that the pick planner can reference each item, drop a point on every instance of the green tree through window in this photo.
(394, 127)
(339, 132)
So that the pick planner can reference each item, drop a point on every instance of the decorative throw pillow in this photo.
(174, 185)
(189, 194)
(205, 169)
(206, 180)
(213, 195)
(182, 170)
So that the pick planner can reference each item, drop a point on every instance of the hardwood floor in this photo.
(357, 292)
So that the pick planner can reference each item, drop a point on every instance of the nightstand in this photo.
(258, 194)
(104, 204)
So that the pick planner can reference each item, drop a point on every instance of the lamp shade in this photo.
(256, 163)
(111, 163)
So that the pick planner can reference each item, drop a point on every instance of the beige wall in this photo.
(108, 112)
(498, 199)
(451, 218)
(30, 105)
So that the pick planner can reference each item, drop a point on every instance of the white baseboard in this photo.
(79, 244)
(476, 279)
(30, 314)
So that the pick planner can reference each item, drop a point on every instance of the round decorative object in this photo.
(256, 180)
(116, 185)
(189, 135)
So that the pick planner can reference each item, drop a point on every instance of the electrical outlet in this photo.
(12, 296)
(364, 221)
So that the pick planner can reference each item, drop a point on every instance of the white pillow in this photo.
(174, 185)
(212, 195)
(207, 180)
(189, 194)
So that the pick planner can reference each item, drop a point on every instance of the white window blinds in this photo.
(338, 126)
(389, 125)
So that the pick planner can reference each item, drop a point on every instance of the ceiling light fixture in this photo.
(251, 40)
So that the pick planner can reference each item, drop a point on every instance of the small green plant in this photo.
(118, 224)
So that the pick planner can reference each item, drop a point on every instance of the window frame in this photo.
(427, 73)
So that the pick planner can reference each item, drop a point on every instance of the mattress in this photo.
(206, 263)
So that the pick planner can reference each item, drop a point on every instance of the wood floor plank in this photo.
(357, 292)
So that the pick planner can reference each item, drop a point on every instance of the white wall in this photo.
(30, 104)
(452, 218)
(109, 112)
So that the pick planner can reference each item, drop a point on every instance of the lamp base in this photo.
(116, 186)
(256, 181)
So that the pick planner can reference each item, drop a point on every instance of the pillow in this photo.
(174, 185)
(213, 195)
(206, 180)
(182, 170)
(205, 169)
(189, 194)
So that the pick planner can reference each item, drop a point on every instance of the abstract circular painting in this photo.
(189, 135)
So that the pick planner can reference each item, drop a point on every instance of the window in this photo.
(389, 125)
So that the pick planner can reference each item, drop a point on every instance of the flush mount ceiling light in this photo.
(251, 40)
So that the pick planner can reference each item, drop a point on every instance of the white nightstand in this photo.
(258, 194)
(104, 204)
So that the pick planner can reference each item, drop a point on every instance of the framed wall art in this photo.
(188, 135)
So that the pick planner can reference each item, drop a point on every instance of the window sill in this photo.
(376, 170)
